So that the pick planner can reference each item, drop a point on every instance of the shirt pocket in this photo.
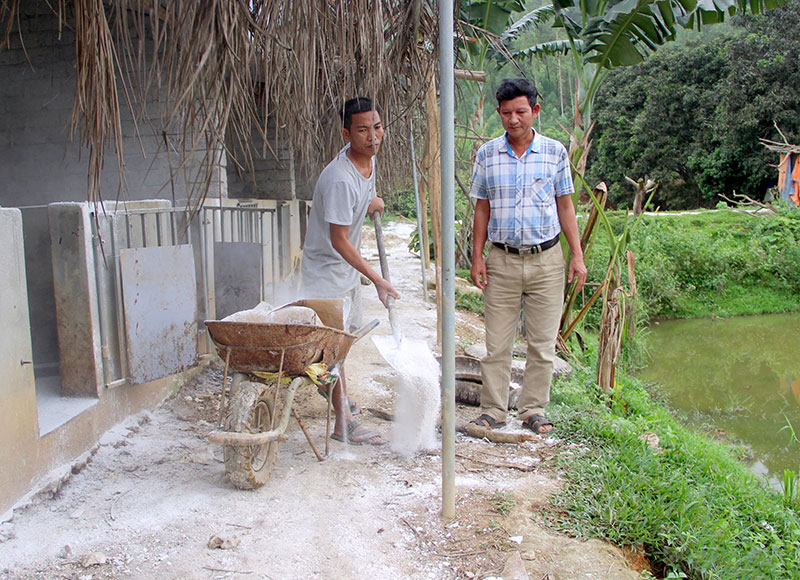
(540, 188)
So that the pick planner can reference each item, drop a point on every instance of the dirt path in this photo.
(147, 501)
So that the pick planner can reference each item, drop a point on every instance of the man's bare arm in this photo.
(480, 232)
(341, 243)
(569, 226)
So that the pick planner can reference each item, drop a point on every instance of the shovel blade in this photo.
(409, 356)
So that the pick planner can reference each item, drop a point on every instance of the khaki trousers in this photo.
(536, 281)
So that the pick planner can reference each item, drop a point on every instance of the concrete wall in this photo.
(50, 288)
(42, 164)
(17, 391)
(25, 456)
(271, 174)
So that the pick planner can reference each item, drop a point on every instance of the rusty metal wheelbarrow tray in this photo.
(285, 348)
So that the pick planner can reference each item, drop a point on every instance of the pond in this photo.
(740, 375)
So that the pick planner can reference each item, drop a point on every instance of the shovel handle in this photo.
(376, 219)
(359, 334)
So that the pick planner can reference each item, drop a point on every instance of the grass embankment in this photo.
(688, 504)
(723, 263)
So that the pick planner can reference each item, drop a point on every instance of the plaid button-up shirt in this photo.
(522, 190)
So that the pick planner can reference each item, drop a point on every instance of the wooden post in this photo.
(433, 170)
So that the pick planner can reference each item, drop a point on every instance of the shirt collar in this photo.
(532, 148)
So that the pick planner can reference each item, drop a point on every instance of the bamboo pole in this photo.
(433, 168)
(421, 218)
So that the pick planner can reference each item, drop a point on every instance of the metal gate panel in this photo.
(160, 302)
(237, 277)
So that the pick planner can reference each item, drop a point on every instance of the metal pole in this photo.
(447, 99)
(420, 217)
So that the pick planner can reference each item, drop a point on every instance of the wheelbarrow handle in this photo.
(364, 330)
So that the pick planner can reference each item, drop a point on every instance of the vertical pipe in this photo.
(273, 227)
(264, 260)
(420, 217)
(173, 230)
(116, 252)
(447, 99)
(202, 231)
(187, 219)
(214, 224)
(209, 235)
(100, 261)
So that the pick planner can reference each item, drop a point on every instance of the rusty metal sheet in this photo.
(160, 299)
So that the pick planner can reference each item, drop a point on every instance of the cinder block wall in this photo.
(42, 164)
(268, 176)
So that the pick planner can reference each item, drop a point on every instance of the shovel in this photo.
(396, 333)
(390, 346)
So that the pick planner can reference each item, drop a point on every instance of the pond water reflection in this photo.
(741, 375)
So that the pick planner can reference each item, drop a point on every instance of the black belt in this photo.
(530, 250)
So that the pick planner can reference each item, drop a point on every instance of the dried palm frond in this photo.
(219, 69)
(95, 88)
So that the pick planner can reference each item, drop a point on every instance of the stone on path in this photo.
(560, 366)
(515, 568)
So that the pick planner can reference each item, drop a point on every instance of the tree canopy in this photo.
(691, 116)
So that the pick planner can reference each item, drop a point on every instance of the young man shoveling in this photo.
(332, 263)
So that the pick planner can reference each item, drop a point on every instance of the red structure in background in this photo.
(788, 169)
(789, 176)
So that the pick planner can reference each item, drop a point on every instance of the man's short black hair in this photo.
(513, 88)
(353, 107)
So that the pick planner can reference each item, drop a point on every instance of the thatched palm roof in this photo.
(221, 67)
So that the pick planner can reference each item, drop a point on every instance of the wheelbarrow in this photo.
(263, 358)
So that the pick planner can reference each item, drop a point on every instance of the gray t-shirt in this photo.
(341, 196)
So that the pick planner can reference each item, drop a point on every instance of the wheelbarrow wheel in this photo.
(250, 411)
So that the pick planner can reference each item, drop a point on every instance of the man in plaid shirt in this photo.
(522, 185)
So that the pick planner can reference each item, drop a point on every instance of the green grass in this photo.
(503, 503)
(698, 512)
(740, 301)
(723, 263)
(471, 301)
